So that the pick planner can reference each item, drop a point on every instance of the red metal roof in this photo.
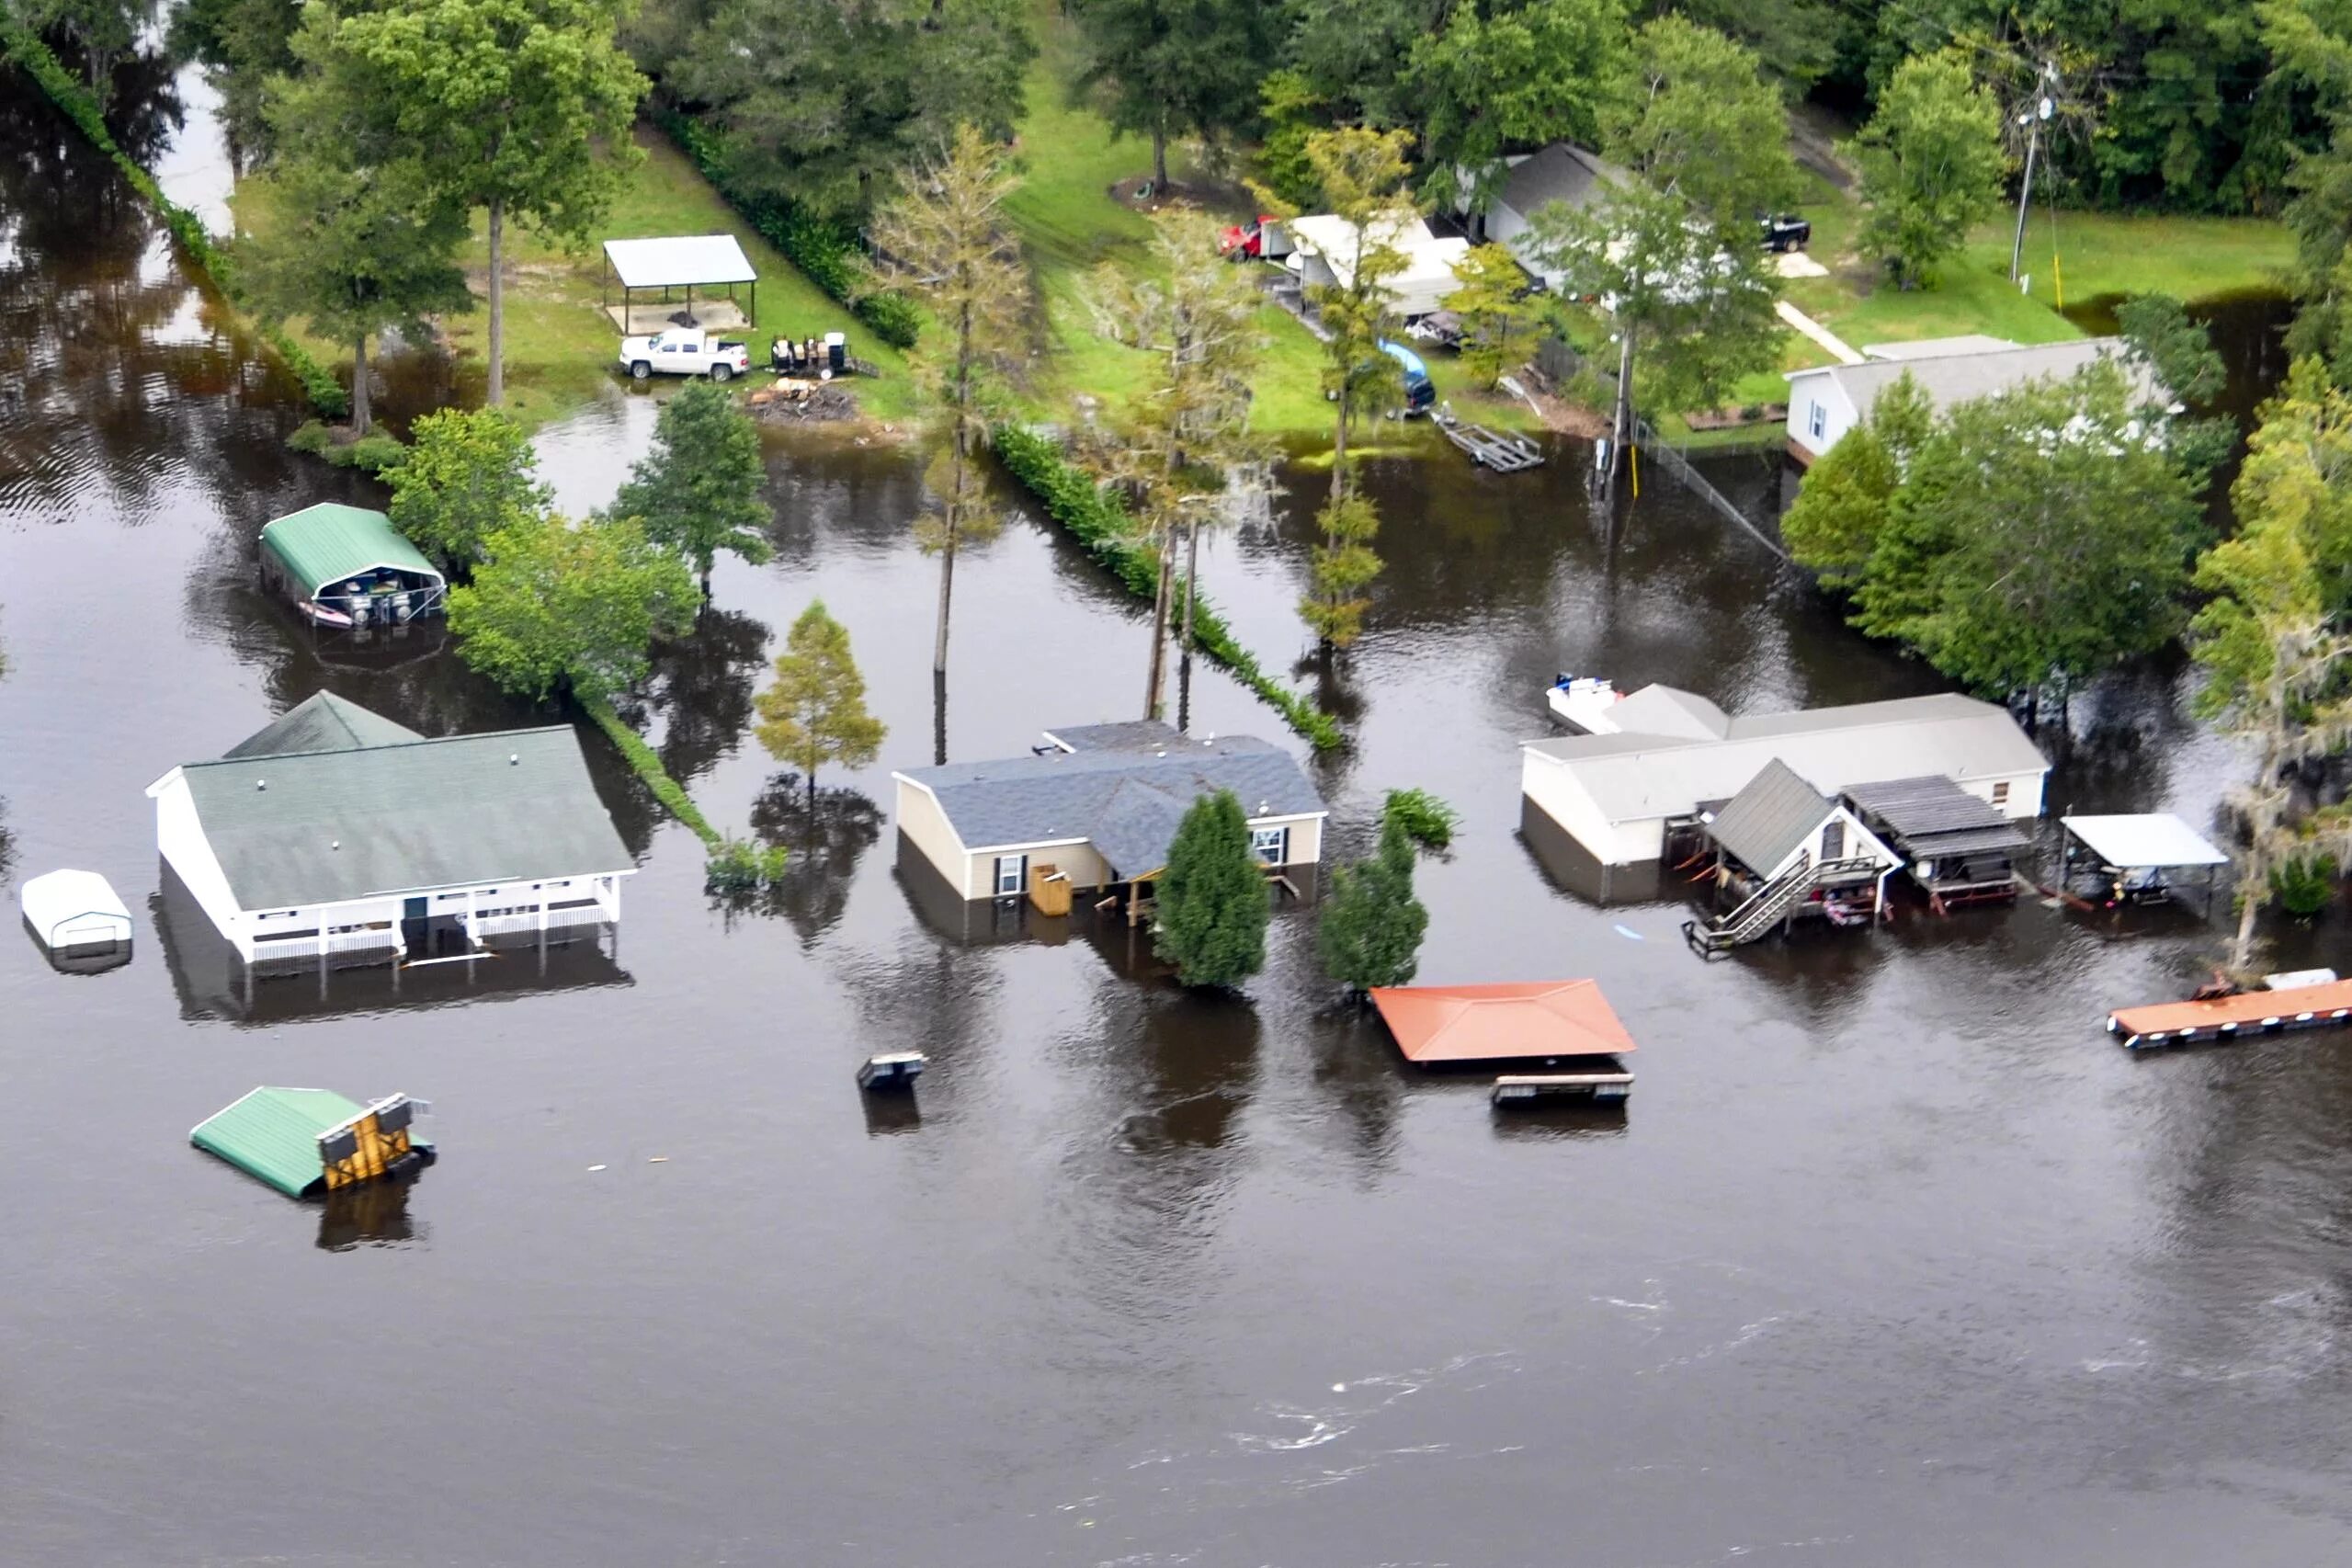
(2230, 1013)
(1497, 1023)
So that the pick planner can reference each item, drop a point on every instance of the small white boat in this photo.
(75, 916)
(1584, 701)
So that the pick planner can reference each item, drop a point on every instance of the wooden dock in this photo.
(2232, 1017)
(1489, 449)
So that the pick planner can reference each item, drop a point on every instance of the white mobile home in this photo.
(1828, 400)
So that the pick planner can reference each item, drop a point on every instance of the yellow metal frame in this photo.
(376, 1152)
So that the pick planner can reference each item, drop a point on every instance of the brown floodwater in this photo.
(1896, 1257)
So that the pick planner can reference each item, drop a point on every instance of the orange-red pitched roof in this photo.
(1493, 1023)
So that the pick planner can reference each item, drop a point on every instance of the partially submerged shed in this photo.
(75, 916)
(678, 261)
(1566, 1026)
(305, 1142)
(346, 568)
(1956, 846)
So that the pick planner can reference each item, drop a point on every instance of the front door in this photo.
(412, 924)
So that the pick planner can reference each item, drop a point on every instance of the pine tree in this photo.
(1212, 899)
(1372, 924)
(816, 710)
(698, 490)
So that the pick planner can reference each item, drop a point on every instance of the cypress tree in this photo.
(1372, 924)
(1213, 903)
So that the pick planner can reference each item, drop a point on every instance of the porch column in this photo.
(471, 939)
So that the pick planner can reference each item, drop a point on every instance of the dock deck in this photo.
(2230, 1018)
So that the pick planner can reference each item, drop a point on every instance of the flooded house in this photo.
(1829, 400)
(1096, 807)
(335, 834)
(1783, 851)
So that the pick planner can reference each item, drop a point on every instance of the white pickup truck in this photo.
(685, 351)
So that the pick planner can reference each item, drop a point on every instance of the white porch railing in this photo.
(306, 945)
(557, 920)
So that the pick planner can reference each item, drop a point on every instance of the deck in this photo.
(2230, 1018)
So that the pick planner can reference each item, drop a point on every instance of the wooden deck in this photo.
(2231, 1017)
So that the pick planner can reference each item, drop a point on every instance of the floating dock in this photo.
(1489, 449)
(2232, 1017)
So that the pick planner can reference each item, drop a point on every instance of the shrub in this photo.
(648, 767)
(1096, 520)
(743, 865)
(312, 437)
(374, 452)
(2305, 886)
(1426, 819)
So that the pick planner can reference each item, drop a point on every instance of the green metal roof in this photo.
(463, 811)
(322, 722)
(274, 1134)
(329, 542)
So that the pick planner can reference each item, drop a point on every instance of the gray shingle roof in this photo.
(1934, 817)
(322, 722)
(1127, 802)
(1559, 172)
(326, 826)
(1774, 814)
(1954, 378)
(1126, 734)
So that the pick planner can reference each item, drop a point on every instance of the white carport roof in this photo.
(80, 902)
(2158, 838)
(679, 260)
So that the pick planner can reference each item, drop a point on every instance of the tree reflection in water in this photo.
(826, 830)
(702, 689)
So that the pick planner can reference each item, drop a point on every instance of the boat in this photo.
(322, 615)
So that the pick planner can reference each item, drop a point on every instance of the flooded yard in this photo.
(1894, 1258)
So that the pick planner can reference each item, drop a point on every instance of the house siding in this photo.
(927, 827)
(1554, 790)
(1807, 395)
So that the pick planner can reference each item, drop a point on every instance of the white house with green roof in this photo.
(335, 831)
(346, 568)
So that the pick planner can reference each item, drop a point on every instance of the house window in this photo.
(2001, 793)
(1270, 844)
(1817, 420)
(1012, 874)
(1833, 841)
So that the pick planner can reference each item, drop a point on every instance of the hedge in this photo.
(648, 767)
(825, 250)
(1095, 519)
(20, 44)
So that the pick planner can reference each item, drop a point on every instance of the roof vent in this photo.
(336, 844)
(513, 758)
(261, 783)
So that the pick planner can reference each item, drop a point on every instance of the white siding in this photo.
(1557, 793)
(179, 838)
(1819, 413)
(2024, 795)
(1861, 843)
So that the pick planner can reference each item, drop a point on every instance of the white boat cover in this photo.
(74, 909)
(2157, 838)
(679, 260)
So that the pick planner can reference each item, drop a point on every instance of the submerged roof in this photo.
(678, 260)
(1774, 813)
(57, 899)
(1499, 1023)
(1561, 172)
(274, 1134)
(297, 828)
(2157, 838)
(1949, 379)
(1634, 776)
(322, 722)
(329, 542)
(1126, 797)
(1932, 815)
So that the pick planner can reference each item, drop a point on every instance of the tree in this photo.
(468, 474)
(556, 606)
(1291, 110)
(1210, 901)
(816, 710)
(2266, 642)
(1932, 165)
(247, 47)
(1796, 39)
(1372, 926)
(1172, 68)
(1355, 54)
(1698, 119)
(1361, 173)
(948, 235)
(1494, 309)
(2042, 536)
(102, 31)
(521, 107)
(363, 241)
(1181, 451)
(827, 105)
(698, 490)
(1841, 509)
(1500, 74)
(2178, 350)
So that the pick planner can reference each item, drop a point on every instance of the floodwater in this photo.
(1895, 1258)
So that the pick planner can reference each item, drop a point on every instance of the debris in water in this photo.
(1629, 934)
(1339, 1388)
(658, 1159)
(595, 1167)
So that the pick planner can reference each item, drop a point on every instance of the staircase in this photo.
(1770, 903)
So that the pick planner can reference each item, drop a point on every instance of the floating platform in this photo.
(2232, 1017)
(1533, 1088)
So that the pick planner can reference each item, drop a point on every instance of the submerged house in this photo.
(1653, 759)
(1829, 400)
(1782, 851)
(345, 568)
(333, 831)
(1097, 806)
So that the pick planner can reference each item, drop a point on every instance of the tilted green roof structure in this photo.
(274, 1134)
(329, 543)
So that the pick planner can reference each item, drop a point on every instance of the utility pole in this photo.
(2032, 122)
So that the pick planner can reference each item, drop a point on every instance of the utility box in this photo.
(1049, 891)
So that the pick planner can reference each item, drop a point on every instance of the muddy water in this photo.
(1895, 1258)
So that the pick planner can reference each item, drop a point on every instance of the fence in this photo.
(1660, 450)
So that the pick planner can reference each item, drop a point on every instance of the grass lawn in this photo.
(2102, 253)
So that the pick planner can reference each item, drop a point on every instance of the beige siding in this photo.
(1306, 838)
(1077, 861)
(926, 827)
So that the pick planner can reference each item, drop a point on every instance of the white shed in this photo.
(75, 914)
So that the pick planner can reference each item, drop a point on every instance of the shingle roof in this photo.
(1126, 734)
(329, 542)
(322, 722)
(327, 826)
(1634, 778)
(1952, 378)
(1559, 172)
(1772, 815)
(1127, 802)
(1931, 817)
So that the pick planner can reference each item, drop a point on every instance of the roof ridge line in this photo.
(383, 745)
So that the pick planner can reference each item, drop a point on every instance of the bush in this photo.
(1096, 520)
(312, 437)
(1426, 819)
(743, 865)
(827, 251)
(374, 452)
(2305, 886)
(648, 767)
